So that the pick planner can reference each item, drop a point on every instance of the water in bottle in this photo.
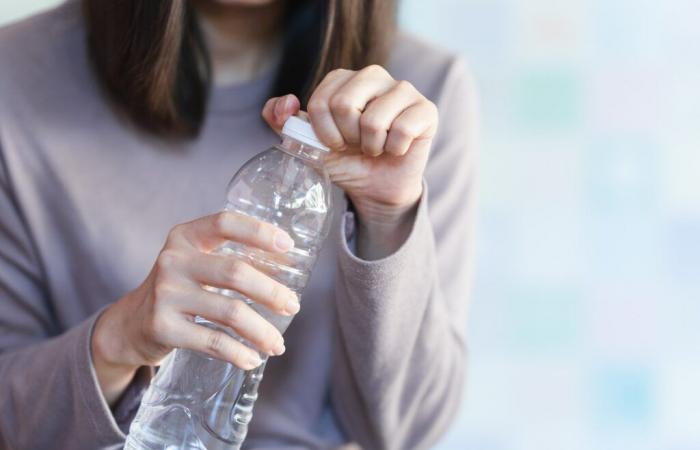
(199, 402)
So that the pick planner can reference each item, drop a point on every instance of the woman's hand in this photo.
(380, 130)
(146, 324)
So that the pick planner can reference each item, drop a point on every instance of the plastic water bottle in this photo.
(199, 402)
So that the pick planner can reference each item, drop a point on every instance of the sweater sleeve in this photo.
(400, 359)
(48, 388)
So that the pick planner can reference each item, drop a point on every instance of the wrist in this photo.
(113, 369)
(384, 215)
(382, 231)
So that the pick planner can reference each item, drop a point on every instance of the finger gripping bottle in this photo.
(199, 402)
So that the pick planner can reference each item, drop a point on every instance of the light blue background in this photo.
(584, 326)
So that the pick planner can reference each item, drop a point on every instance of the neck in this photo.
(243, 41)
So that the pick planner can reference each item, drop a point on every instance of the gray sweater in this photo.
(377, 354)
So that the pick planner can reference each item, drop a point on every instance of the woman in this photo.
(120, 125)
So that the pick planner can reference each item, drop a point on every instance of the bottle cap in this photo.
(299, 129)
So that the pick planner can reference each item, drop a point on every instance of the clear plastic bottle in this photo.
(199, 402)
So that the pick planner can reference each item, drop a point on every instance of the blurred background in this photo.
(585, 322)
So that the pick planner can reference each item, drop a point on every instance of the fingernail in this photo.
(287, 103)
(292, 306)
(283, 242)
(279, 348)
(254, 360)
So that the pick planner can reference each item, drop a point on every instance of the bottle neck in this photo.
(311, 155)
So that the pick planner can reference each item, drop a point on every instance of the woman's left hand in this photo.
(380, 131)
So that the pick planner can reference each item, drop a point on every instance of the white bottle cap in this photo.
(297, 128)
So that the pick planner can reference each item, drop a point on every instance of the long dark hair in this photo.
(152, 62)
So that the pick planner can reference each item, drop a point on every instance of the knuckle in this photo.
(375, 69)
(174, 234)
(215, 342)
(162, 292)
(234, 272)
(432, 108)
(371, 123)
(222, 221)
(316, 107)
(342, 104)
(403, 131)
(407, 89)
(232, 312)
(167, 260)
(337, 72)
(261, 233)
(405, 86)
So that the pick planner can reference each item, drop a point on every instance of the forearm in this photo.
(401, 357)
(52, 396)
(400, 401)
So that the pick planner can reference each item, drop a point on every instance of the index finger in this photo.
(320, 112)
(209, 232)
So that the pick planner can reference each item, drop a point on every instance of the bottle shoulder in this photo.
(286, 191)
(277, 164)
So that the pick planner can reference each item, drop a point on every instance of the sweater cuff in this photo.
(99, 416)
(391, 264)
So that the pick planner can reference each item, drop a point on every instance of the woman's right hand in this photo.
(142, 327)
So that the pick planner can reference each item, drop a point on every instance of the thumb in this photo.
(278, 109)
